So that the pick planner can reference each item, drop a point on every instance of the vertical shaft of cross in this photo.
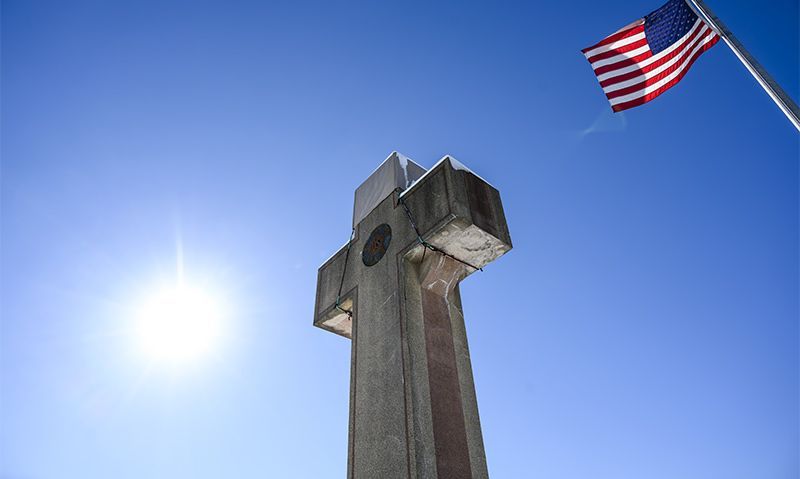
(446, 425)
(379, 437)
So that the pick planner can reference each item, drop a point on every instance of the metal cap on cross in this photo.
(393, 289)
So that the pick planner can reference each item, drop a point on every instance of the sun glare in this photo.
(179, 323)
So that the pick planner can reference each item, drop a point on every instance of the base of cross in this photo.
(413, 407)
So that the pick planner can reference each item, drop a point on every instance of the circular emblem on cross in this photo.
(377, 244)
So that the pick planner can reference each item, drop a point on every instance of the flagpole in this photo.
(772, 88)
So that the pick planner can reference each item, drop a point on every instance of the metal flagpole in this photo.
(772, 88)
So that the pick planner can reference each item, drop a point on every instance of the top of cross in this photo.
(402, 211)
(397, 171)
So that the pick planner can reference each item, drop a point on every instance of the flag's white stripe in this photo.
(660, 68)
(615, 45)
(655, 86)
(621, 56)
(647, 61)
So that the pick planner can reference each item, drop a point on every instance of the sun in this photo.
(179, 323)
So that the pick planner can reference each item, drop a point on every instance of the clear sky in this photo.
(644, 326)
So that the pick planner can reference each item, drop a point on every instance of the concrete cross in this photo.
(394, 292)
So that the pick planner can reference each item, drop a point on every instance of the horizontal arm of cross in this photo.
(335, 305)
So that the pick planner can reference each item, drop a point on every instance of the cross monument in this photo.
(393, 290)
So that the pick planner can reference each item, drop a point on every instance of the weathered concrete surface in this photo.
(413, 408)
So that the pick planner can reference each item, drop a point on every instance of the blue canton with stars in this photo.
(666, 25)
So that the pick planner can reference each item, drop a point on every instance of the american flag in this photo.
(648, 57)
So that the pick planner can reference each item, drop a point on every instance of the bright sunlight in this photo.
(180, 323)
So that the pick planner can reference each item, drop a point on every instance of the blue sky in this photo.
(644, 326)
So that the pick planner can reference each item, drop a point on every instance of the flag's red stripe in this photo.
(650, 96)
(652, 66)
(623, 63)
(661, 75)
(617, 36)
(617, 51)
